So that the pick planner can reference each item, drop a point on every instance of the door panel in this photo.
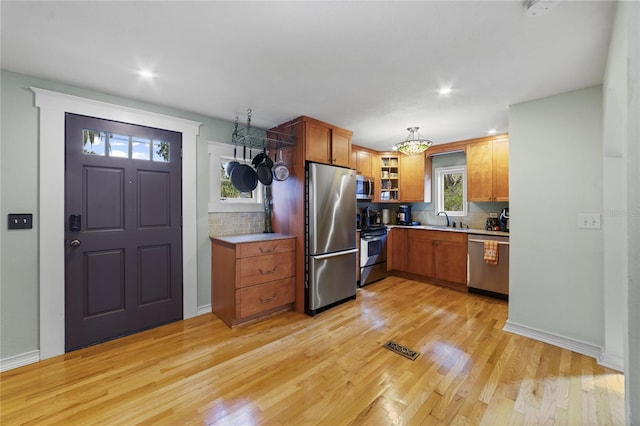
(104, 195)
(123, 268)
(154, 264)
(155, 199)
(104, 282)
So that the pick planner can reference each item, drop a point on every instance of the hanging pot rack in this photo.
(257, 138)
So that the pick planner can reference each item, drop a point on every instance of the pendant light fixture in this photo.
(414, 144)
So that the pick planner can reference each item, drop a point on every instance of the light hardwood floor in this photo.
(330, 369)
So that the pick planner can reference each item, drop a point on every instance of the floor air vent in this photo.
(401, 350)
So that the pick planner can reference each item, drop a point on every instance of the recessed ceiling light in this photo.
(146, 74)
(492, 131)
(445, 90)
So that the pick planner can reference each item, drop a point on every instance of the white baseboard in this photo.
(34, 356)
(578, 346)
(204, 309)
(19, 360)
(613, 362)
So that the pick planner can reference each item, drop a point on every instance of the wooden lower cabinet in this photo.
(251, 276)
(431, 254)
(397, 249)
(450, 260)
(420, 248)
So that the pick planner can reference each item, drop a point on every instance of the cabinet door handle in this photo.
(268, 272)
(268, 299)
(271, 250)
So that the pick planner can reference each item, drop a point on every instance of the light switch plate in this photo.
(588, 221)
(20, 221)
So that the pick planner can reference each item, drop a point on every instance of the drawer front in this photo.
(262, 269)
(451, 236)
(260, 248)
(262, 297)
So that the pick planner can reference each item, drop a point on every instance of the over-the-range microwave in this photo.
(364, 188)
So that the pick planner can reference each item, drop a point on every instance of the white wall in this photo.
(555, 167)
(614, 198)
(628, 16)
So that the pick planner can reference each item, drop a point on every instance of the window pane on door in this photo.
(161, 151)
(94, 142)
(119, 145)
(140, 148)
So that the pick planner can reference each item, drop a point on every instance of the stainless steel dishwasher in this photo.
(485, 278)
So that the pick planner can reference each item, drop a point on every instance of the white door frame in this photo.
(53, 106)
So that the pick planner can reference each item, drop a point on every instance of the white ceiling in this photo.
(371, 67)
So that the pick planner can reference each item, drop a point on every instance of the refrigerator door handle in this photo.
(338, 253)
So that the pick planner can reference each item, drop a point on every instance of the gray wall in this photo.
(622, 198)
(555, 173)
(19, 310)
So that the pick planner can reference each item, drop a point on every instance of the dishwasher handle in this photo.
(501, 243)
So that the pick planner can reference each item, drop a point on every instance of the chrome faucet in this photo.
(446, 215)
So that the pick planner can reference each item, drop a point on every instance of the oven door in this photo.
(373, 249)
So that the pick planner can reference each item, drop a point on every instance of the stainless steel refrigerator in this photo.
(330, 275)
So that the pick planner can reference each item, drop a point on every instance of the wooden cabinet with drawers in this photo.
(437, 254)
(251, 276)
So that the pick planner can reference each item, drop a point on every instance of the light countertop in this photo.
(450, 229)
(251, 238)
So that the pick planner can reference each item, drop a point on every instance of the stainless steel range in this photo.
(373, 254)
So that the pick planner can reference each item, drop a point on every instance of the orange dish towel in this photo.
(491, 252)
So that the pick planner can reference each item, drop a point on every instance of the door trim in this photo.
(53, 106)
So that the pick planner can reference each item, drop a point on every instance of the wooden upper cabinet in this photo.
(488, 169)
(412, 178)
(479, 172)
(317, 142)
(340, 147)
(501, 169)
(361, 160)
(326, 144)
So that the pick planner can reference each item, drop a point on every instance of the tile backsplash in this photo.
(423, 212)
(223, 224)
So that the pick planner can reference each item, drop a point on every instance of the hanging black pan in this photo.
(243, 177)
(263, 170)
(232, 164)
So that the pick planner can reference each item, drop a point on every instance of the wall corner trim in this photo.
(578, 346)
(19, 360)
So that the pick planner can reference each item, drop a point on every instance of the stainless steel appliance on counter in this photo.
(373, 254)
(364, 188)
(330, 275)
(484, 277)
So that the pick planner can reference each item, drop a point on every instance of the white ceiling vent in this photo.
(538, 7)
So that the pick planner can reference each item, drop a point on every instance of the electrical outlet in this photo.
(588, 221)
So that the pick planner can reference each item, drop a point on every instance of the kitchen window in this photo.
(452, 190)
(223, 196)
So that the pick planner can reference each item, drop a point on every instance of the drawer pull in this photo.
(268, 299)
(264, 250)
(268, 272)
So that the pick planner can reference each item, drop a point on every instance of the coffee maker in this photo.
(404, 215)
(504, 220)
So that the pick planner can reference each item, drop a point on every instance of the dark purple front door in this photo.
(123, 232)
